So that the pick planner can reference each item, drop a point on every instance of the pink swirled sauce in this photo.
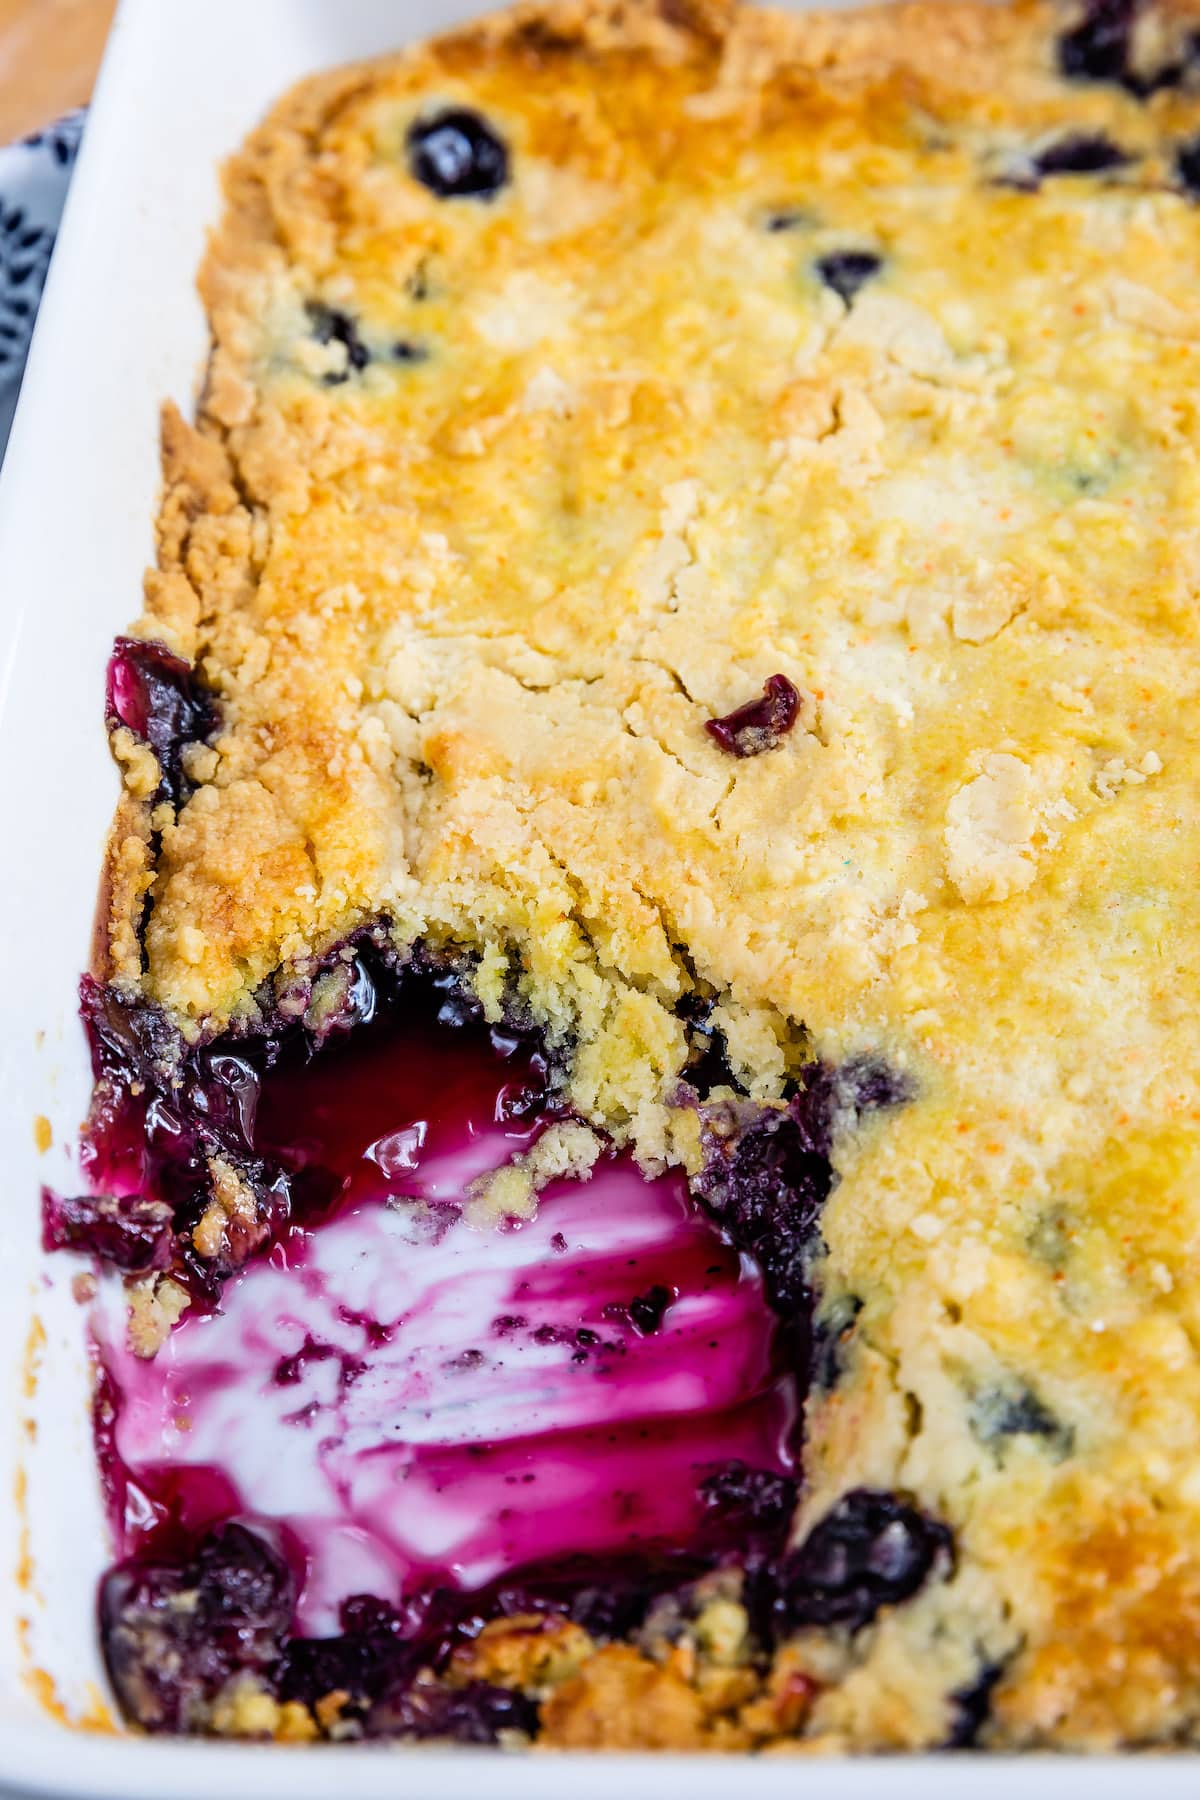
(415, 1400)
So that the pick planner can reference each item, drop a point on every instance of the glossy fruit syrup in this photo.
(400, 1410)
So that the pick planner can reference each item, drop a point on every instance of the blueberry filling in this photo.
(174, 1633)
(178, 1629)
(456, 155)
(193, 1612)
(194, 1609)
(176, 1612)
(707, 1066)
(768, 1174)
(133, 1235)
(376, 1651)
(167, 1119)
(760, 724)
(765, 1182)
(846, 271)
(753, 1503)
(162, 701)
(1081, 153)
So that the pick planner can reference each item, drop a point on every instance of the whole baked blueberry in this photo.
(846, 271)
(872, 1549)
(457, 155)
(162, 700)
(1081, 153)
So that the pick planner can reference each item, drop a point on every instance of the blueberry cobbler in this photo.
(644, 1168)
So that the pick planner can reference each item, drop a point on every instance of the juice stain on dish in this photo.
(418, 1403)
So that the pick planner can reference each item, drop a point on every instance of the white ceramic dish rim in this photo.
(120, 329)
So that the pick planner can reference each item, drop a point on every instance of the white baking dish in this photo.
(120, 330)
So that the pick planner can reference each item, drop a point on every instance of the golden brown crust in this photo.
(468, 615)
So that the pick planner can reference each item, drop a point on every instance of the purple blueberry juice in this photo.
(399, 1407)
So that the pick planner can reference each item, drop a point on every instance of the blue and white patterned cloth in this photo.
(34, 176)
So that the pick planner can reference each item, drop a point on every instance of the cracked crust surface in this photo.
(466, 617)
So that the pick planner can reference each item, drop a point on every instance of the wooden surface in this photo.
(49, 54)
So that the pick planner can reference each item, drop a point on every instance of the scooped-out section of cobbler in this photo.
(422, 1412)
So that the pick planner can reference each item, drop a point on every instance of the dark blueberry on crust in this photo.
(329, 325)
(999, 1413)
(474, 1714)
(405, 352)
(1081, 153)
(161, 700)
(970, 1707)
(872, 1549)
(789, 218)
(1097, 48)
(869, 1084)
(765, 1184)
(1141, 86)
(457, 155)
(749, 1503)
(1100, 47)
(134, 1234)
(707, 1066)
(760, 724)
(1187, 166)
(832, 1332)
(646, 1310)
(845, 271)
(1019, 1414)
(173, 1633)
